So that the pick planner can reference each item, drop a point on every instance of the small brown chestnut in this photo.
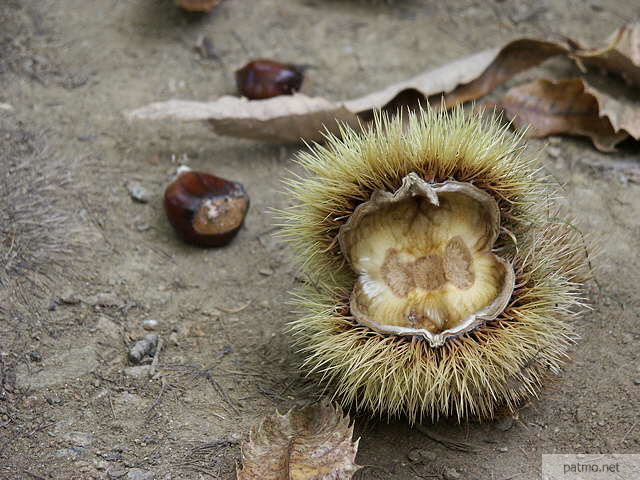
(260, 79)
(197, 5)
(205, 210)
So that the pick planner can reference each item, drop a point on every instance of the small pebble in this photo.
(503, 449)
(69, 297)
(504, 424)
(112, 457)
(138, 371)
(150, 324)
(35, 356)
(266, 272)
(72, 452)
(139, 474)
(78, 439)
(414, 456)
(554, 152)
(103, 300)
(137, 192)
(181, 169)
(146, 346)
(421, 455)
(117, 473)
(205, 48)
(451, 474)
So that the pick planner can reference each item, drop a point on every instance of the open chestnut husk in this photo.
(205, 210)
(260, 79)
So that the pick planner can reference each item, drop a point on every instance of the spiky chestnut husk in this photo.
(498, 364)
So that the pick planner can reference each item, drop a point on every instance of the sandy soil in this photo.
(94, 264)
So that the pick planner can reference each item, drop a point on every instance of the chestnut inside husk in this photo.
(424, 260)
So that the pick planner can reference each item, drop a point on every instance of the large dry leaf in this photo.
(467, 78)
(621, 56)
(310, 443)
(573, 107)
(291, 118)
(287, 118)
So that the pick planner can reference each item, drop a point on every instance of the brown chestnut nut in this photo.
(260, 79)
(205, 210)
(197, 5)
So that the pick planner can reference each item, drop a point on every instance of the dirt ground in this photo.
(89, 265)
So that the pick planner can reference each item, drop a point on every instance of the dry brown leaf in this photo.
(286, 119)
(291, 118)
(617, 102)
(621, 56)
(310, 443)
(467, 78)
(568, 106)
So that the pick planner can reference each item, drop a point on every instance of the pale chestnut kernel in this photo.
(424, 261)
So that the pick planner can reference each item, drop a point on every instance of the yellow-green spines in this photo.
(497, 365)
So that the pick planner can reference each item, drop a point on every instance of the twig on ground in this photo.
(156, 356)
(205, 457)
(234, 310)
(221, 391)
(33, 475)
(113, 411)
(446, 442)
(199, 372)
(156, 402)
(628, 432)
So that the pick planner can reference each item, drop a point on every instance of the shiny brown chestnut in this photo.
(205, 210)
(260, 79)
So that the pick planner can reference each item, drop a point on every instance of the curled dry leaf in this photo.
(465, 79)
(617, 102)
(574, 107)
(291, 118)
(621, 56)
(310, 443)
